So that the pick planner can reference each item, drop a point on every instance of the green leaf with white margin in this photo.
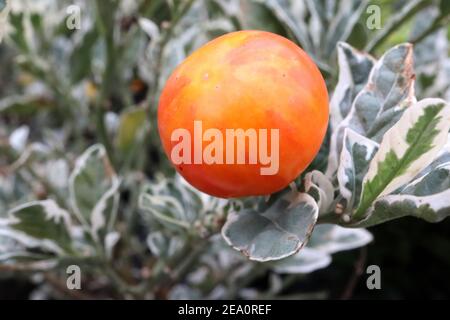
(165, 208)
(357, 152)
(171, 201)
(164, 246)
(354, 70)
(379, 105)
(426, 197)
(93, 187)
(305, 261)
(39, 224)
(331, 238)
(407, 148)
(16, 255)
(443, 158)
(174, 202)
(326, 240)
(278, 232)
(321, 189)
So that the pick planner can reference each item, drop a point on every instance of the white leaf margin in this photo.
(309, 260)
(346, 161)
(395, 139)
(335, 244)
(347, 121)
(53, 212)
(345, 80)
(297, 199)
(97, 219)
(325, 188)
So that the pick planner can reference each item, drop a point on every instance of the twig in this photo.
(121, 285)
(163, 42)
(109, 72)
(181, 271)
(358, 271)
(258, 270)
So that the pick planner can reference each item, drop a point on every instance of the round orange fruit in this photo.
(244, 114)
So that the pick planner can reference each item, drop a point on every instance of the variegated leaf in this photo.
(329, 238)
(305, 261)
(165, 208)
(379, 105)
(443, 158)
(93, 187)
(427, 198)
(278, 232)
(357, 152)
(354, 70)
(407, 148)
(40, 224)
(164, 246)
(325, 240)
(16, 254)
(321, 189)
(175, 202)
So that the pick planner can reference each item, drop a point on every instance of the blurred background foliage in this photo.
(64, 90)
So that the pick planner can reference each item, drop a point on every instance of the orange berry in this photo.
(256, 81)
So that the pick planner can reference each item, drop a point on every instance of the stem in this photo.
(153, 95)
(121, 285)
(108, 76)
(358, 271)
(440, 21)
(198, 248)
(395, 22)
(167, 276)
(287, 282)
(258, 270)
(163, 42)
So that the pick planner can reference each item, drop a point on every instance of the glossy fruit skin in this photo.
(247, 79)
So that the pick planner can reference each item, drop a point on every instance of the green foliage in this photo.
(83, 178)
